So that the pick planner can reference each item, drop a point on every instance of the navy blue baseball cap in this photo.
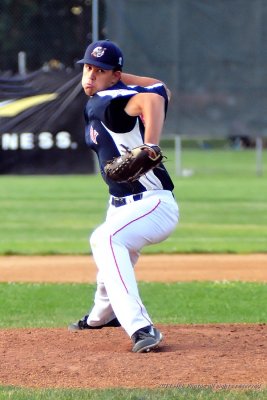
(103, 54)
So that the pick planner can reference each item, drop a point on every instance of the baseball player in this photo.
(123, 112)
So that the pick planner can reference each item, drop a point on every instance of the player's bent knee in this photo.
(103, 238)
(99, 237)
(95, 238)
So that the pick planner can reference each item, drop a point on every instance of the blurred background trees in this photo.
(45, 30)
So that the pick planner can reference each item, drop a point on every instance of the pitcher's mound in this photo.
(213, 355)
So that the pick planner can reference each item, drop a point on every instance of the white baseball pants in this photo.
(116, 246)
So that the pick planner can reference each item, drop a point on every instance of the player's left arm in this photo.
(152, 108)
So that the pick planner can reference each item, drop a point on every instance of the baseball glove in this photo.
(133, 163)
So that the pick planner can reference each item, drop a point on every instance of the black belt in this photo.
(121, 201)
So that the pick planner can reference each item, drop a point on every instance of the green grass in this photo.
(56, 305)
(56, 214)
(221, 162)
(130, 394)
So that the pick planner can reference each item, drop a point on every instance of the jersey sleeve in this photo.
(158, 88)
(108, 106)
(117, 119)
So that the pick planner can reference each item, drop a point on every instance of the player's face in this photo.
(95, 79)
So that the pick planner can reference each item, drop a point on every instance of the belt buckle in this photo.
(121, 201)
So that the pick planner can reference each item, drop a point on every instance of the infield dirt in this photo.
(150, 268)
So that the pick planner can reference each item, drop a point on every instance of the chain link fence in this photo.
(211, 54)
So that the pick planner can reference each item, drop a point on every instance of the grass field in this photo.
(223, 210)
(134, 394)
(56, 305)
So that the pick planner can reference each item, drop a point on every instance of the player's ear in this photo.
(117, 75)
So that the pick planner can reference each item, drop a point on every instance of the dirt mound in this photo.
(214, 355)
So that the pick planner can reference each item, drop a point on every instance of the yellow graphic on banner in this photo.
(16, 107)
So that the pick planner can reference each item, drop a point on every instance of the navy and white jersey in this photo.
(108, 127)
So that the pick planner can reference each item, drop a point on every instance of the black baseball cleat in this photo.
(145, 339)
(82, 324)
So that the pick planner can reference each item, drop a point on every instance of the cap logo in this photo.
(98, 51)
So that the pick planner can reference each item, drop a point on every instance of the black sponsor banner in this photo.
(41, 124)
